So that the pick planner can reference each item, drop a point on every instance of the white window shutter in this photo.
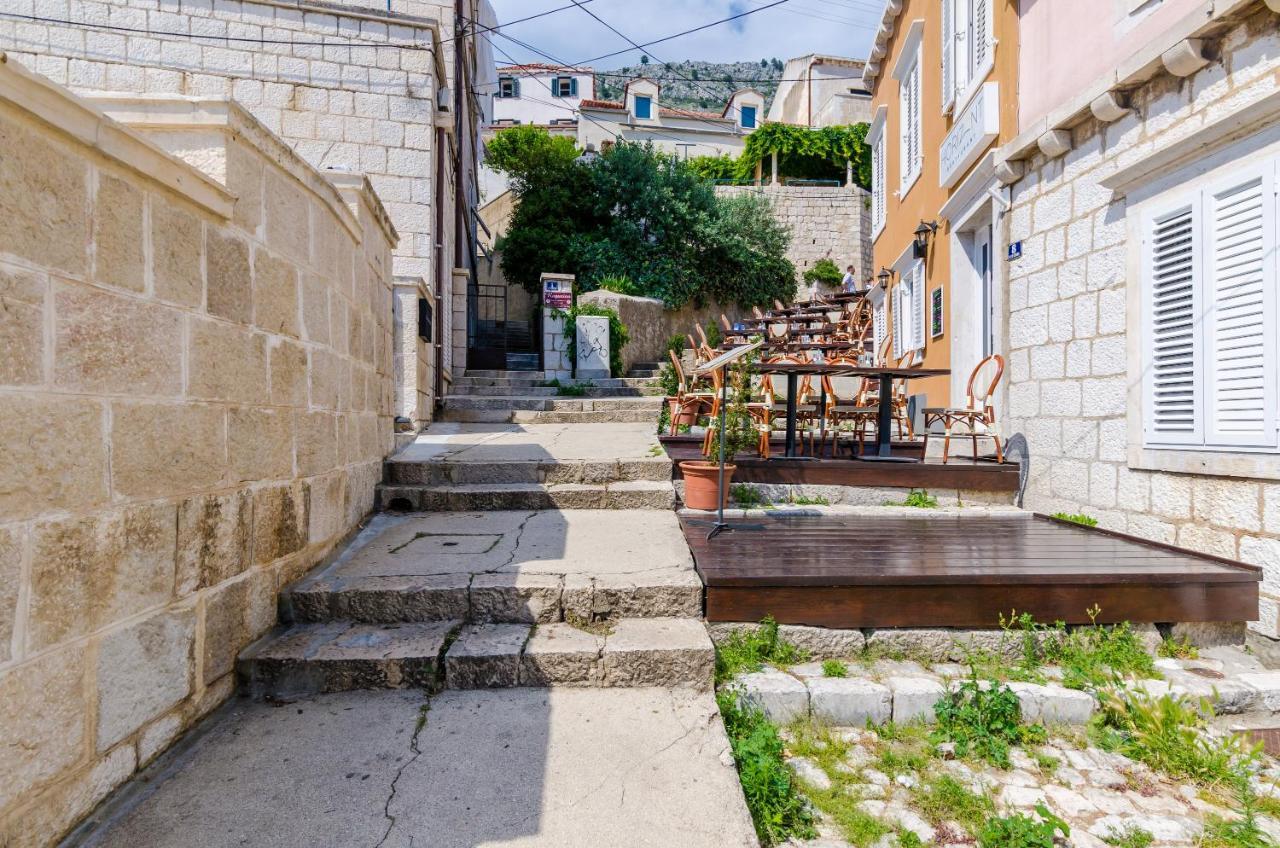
(899, 325)
(917, 307)
(981, 32)
(1171, 254)
(961, 43)
(879, 325)
(1239, 327)
(915, 117)
(877, 182)
(948, 54)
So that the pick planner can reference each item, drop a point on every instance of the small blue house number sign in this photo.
(1014, 251)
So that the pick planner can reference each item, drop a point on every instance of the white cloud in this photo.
(797, 27)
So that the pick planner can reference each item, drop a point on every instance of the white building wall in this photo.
(1072, 331)
(536, 104)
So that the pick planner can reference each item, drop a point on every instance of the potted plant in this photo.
(702, 476)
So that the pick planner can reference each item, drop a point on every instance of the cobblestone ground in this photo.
(860, 748)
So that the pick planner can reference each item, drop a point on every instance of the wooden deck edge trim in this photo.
(1163, 546)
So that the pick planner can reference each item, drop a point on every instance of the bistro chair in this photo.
(755, 310)
(977, 418)
(686, 400)
(731, 335)
(760, 417)
(777, 304)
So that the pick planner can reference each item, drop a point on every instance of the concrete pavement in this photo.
(570, 768)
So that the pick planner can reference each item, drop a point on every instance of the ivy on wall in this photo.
(803, 153)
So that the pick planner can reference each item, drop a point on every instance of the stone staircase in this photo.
(523, 397)
(482, 467)
(515, 555)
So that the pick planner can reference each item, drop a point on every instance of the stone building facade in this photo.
(363, 86)
(195, 401)
(826, 222)
(1079, 351)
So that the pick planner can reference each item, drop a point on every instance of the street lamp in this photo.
(923, 233)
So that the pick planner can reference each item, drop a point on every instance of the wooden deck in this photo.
(958, 571)
(960, 473)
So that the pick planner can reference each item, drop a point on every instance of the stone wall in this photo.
(348, 85)
(826, 222)
(195, 399)
(1072, 382)
(649, 324)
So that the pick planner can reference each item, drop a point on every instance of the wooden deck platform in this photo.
(958, 571)
(960, 473)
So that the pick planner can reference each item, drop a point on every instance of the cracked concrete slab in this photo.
(519, 768)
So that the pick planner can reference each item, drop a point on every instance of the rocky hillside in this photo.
(695, 85)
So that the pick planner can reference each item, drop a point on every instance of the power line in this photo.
(686, 32)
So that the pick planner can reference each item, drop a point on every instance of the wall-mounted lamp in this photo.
(923, 233)
(884, 277)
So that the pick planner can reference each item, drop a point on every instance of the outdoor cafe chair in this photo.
(760, 413)
(687, 400)
(731, 334)
(755, 310)
(977, 418)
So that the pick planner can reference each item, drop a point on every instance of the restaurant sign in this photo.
(557, 291)
(971, 133)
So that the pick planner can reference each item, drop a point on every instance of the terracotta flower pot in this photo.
(700, 482)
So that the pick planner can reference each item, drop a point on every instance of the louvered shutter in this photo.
(948, 54)
(877, 182)
(917, 307)
(899, 325)
(1171, 257)
(1239, 298)
(981, 30)
(573, 86)
(915, 118)
(879, 325)
(515, 87)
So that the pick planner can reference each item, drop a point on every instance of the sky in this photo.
(793, 28)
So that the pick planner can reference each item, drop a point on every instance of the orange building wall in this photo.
(926, 196)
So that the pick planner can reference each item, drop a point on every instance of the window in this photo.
(967, 48)
(508, 87)
(1210, 315)
(877, 185)
(909, 158)
(644, 107)
(909, 312)
(565, 86)
(748, 117)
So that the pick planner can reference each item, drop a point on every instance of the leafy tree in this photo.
(714, 167)
(526, 152)
(642, 213)
(644, 60)
(809, 153)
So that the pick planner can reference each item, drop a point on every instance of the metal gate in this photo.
(497, 340)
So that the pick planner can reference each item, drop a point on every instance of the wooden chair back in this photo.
(726, 323)
(983, 381)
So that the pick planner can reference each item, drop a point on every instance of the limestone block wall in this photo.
(349, 85)
(1069, 331)
(826, 222)
(195, 399)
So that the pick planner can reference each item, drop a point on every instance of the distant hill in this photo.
(695, 85)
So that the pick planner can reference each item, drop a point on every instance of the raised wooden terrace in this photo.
(961, 472)
(892, 570)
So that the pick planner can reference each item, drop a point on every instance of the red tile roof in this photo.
(602, 104)
(688, 113)
(541, 66)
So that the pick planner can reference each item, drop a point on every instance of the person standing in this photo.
(850, 282)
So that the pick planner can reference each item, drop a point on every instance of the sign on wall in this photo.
(935, 313)
(971, 133)
(557, 292)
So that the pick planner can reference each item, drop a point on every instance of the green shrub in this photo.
(1020, 831)
(618, 284)
(1131, 836)
(714, 336)
(676, 344)
(945, 799)
(1179, 648)
(1092, 657)
(777, 809)
(983, 722)
(919, 498)
(1077, 518)
(834, 668)
(747, 497)
(824, 272)
(748, 650)
(1167, 733)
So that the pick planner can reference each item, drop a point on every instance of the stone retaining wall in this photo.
(195, 399)
(649, 323)
(826, 222)
(1072, 385)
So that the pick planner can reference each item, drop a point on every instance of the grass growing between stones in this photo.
(748, 651)
(943, 800)
(984, 722)
(1131, 836)
(747, 497)
(834, 668)
(1022, 831)
(777, 808)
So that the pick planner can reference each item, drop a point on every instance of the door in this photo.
(982, 270)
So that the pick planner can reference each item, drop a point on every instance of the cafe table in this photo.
(884, 412)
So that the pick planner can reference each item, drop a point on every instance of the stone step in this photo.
(528, 416)
(448, 472)
(552, 391)
(551, 404)
(538, 382)
(317, 658)
(626, 494)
